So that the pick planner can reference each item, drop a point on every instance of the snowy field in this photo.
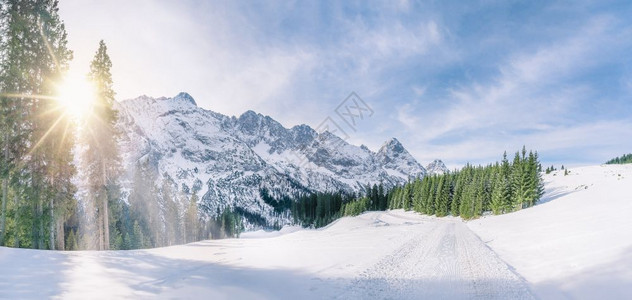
(575, 245)
(377, 255)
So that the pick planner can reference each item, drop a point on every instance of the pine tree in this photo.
(417, 200)
(517, 175)
(506, 175)
(480, 194)
(382, 197)
(6, 109)
(374, 198)
(406, 196)
(425, 194)
(498, 195)
(468, 200)
(539, 182)
(101, 159)
(458, 194)
(438, 197)
(430, 199)
(487, 186)
(531, 180)
(16, 86)
(443, 196)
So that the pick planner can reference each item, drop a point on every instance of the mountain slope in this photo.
(231, 159)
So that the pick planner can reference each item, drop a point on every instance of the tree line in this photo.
(498, 188)
(623, 159)
(319, 209)
(36, 148)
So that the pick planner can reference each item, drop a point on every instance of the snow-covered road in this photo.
(378, 255)
(442, 259)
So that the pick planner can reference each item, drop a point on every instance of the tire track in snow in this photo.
(442, 259)
(489, 278)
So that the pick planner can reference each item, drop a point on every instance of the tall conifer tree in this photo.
(101, 158)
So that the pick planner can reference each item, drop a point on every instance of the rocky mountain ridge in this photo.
(228, 161)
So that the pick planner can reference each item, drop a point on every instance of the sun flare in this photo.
(76, 95)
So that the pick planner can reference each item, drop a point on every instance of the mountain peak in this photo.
(249, 114)
(437, 167)
(394, 141)
(392, 155)
(185, 97)
(392, 145)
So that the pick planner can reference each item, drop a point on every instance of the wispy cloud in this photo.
(533, 101)
(458, 82)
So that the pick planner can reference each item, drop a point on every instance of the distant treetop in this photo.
(624, 159)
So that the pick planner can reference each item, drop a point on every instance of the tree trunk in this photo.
(106, 217)
(16, 241)
(106, 224)
(52, 224)
(61, 237)
(35, 219)
(100, 225)
(184, 228)
(40, 216)
(5, 189)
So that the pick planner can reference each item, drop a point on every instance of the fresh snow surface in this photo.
(577, 243)
(395, 255)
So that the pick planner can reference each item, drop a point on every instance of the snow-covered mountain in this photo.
(231, 159)
(437, 167)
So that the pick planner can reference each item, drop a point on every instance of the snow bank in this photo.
(578, 242)
(260, 234)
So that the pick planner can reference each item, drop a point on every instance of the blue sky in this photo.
(459, 81)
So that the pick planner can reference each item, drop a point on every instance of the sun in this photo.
(76, 95)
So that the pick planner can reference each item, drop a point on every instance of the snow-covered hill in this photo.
(233, 158)
(576, 245)
(578, 242)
